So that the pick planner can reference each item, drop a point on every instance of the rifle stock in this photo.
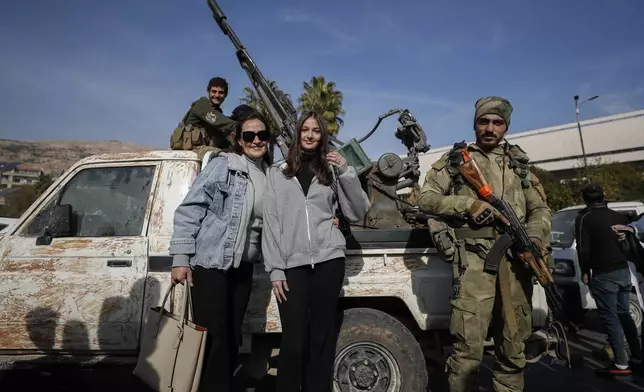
(520, 240)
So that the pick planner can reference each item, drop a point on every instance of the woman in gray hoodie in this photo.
(304, 251)
(216, 241)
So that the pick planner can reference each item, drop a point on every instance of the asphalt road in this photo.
(546, 375)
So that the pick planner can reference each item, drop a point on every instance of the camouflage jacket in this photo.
(206, 116)
(439, 196)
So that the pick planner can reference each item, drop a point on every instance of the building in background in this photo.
(617, 138)
(14, 174)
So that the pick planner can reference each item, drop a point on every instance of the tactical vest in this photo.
(518, 163)
(188, 136)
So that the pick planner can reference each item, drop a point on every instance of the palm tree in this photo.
(322, 97)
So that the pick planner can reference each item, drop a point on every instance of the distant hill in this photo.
(56, 156)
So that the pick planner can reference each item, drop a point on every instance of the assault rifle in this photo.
(279, 106)
(515, 237)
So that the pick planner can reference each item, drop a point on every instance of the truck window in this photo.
(105, 201)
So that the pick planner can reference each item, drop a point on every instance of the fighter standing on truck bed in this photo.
(204, 127)
(467, 242)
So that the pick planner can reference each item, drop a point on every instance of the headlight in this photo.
(564, 267)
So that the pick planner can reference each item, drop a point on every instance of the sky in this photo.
(128, 70)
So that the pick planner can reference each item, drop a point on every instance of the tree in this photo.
(322, 97)
(620, 181)
(44, 182)
(559, 194)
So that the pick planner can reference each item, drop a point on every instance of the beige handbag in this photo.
(172, 348)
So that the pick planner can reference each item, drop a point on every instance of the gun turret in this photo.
(281, 108)
(391, 173)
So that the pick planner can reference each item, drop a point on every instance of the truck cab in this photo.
(82, 266)
(567, 273)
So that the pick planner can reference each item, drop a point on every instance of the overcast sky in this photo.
(128, 70)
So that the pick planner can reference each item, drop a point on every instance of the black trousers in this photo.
(219, 300)
(309, 335)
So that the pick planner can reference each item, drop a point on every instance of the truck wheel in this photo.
(636, 311)
(377, 353)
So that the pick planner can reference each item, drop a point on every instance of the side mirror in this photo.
(58, 224)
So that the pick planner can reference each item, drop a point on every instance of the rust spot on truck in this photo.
(71, 244)
(30, 265)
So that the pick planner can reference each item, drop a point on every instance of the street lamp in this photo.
(581, 137)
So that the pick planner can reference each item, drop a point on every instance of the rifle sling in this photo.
(496, 260)
(506, 299)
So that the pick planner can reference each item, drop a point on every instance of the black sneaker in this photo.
(613, 371)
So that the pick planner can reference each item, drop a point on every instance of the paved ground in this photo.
(545, 376)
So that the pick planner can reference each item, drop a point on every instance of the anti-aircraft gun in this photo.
(381, 179)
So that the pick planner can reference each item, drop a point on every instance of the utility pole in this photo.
(581, 137)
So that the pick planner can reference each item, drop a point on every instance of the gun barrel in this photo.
(555, 303)
(220, 18)
(217, 13)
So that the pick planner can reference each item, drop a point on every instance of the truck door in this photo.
(83, 291)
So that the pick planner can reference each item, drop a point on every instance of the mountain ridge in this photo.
(56, 156)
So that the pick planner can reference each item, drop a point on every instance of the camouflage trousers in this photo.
(476, 308)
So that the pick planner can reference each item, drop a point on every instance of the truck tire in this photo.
(377, 353)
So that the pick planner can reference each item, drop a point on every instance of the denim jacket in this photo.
(211, 222)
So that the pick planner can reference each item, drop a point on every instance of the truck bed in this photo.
(389, 239)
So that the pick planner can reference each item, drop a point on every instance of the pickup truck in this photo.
(82, 266)
(567, 273)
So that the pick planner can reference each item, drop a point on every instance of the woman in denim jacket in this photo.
(216, 241)
(304, 251)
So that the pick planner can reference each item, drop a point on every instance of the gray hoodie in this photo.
(299, 230)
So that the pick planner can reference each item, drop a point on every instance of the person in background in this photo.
(216, 241)
(304, 252)
(605, 269)
(204, 127)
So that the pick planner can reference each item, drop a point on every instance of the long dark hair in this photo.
(319, 164)
(237, 128)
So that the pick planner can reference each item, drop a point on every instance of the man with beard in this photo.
(464, 237)
(204, 127)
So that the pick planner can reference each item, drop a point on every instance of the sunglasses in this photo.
(249, 136)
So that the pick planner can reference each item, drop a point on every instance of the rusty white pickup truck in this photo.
(84, 263)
